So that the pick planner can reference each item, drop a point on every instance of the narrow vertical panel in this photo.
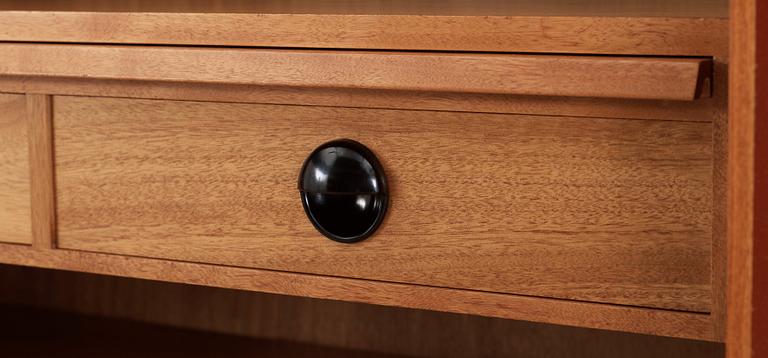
(15, 226)
(760, 253)
(741, 180)
(41, 170)
(720, 201)
(747, 327)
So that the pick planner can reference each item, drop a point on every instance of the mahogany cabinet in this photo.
(544, 162)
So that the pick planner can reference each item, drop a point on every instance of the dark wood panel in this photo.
(760, 283)
(666, 8)
(36, 333)
(555, 311)
(329, 323)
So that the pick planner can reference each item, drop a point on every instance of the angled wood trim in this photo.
(700, 110)
(541, 75)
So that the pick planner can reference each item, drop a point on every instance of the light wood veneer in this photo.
(15, 220)
(668, 36)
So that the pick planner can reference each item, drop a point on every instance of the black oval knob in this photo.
(343, 190)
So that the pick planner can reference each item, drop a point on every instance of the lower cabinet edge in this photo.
(649, 321)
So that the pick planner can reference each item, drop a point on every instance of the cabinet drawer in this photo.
(15, 211)
(592, 209)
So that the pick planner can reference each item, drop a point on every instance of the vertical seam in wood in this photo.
(719, 202)
(40, 130)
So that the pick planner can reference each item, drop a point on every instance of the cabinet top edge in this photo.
(664, 36)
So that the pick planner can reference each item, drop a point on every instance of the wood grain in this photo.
(543, 75)
(15, 223)
(667, 36)
(563, 312)
(701, 110)
(41, 164)
(741, 172)
(347, 325)
(747, 326)
(667, 8)
(602, 210)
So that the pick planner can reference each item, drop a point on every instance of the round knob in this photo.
(343, 190)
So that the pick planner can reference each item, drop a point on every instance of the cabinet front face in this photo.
(592, 209)
(15, 214)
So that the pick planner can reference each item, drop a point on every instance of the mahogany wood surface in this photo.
(747, 327)
(660, 232)
(603, 210)
(668, 36)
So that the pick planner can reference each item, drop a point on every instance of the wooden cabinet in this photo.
(556, 169)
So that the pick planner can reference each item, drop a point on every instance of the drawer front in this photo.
(603, 210)
(15, 211)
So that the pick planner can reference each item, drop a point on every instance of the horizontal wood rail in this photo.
(466, 30)
(544, 75)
